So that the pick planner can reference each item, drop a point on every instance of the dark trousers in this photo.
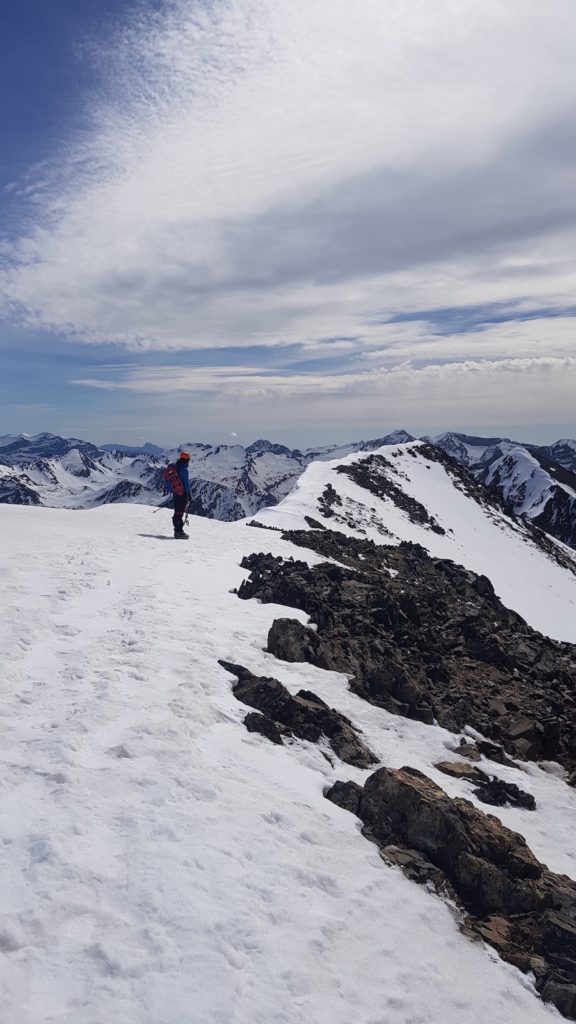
(180, 502)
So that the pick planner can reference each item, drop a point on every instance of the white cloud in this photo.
(270, 173)
(299, 408)
(249, 382)
(513, 341)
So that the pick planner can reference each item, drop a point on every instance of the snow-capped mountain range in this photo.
(200, 739)
(537, 483)
(228, 481)
(534, 482)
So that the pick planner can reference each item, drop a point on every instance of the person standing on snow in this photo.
(181, 500)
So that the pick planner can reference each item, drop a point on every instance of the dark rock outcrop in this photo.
(263, 725)
(525, 911)
(489, 789)
(289, 640)
(501, 794)
(304, 715)
(430, 641)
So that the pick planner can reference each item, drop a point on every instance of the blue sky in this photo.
(306, 221)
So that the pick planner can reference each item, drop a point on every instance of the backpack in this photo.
(172, 480)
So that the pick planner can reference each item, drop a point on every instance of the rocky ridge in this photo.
(424, 638)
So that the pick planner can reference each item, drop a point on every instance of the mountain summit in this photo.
(200, 740)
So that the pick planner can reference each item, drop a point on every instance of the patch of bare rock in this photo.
(304, 715)
(374, 474)
(430, 641)
(511, 900)
(488, 789)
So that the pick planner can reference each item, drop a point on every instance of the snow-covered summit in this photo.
(161, 862)
(230, 481)
(562, 452)
(412, 495)
(15, 449)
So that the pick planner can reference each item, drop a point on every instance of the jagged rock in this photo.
(521, 728)
(469, 750)
(527, 750)
(346, 795)
(416, 867)
(462, 770)
(500, 794)
(314, 523)
(328, 499)
(498, 707)
(265, 726)
(289, 640)
(495, 753)
(514, 902)
(489, 866)
(496, 930)
(432, 642)
(483, 586)
(262, 526)
(563, 996)
(305, 715)
(489, 790)
(559, 937)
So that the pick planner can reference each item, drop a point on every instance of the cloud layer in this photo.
(267, 174)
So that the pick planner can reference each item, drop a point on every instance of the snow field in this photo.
(483, 540)
(163, 866)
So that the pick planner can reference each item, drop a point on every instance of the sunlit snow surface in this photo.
(477, 536)
(163, 866)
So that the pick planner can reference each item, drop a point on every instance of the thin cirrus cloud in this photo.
(427, 398)
(226, 382)
(265, 174)
(424, 380)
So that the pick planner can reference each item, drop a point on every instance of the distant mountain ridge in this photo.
(229, 482)
(536, 483)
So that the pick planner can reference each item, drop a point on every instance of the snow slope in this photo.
(537, 483)
(477, 535)
(160, 864)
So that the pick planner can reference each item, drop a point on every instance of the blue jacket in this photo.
(182, 468)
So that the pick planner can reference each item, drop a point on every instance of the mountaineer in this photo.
(176, 480)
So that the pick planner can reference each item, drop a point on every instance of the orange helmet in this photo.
(184, 455)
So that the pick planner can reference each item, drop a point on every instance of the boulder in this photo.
(526, 912)
(265, 726)
(462, 770)
(346, 795)
(489, 866)
(502, 794)
(305, 715)
(289, 640)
